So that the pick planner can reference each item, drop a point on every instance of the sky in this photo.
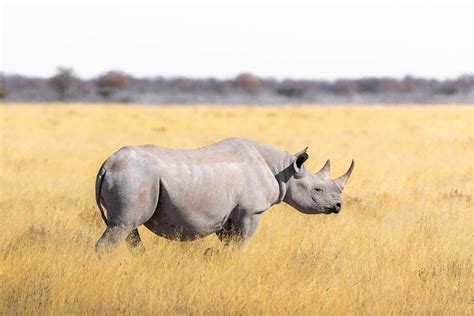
(284, 39)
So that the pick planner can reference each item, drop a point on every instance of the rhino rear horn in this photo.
(325, 170)
(342, 180)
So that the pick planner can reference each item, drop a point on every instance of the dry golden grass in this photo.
(402, 243)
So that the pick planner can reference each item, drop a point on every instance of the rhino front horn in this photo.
(324, 172)
(342, 180)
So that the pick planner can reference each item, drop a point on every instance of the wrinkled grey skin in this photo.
(222, 188)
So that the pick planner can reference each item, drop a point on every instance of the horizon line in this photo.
(224, 78)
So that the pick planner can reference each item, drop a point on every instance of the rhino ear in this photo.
(300, 158)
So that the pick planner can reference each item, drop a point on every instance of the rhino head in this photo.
(314, 193)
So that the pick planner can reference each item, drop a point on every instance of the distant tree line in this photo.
(116, 86)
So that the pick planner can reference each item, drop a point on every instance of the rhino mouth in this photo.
(335, 210)
(332, 210)
(326, 209)
(320, 209)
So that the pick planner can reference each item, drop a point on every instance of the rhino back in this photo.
(220, 175)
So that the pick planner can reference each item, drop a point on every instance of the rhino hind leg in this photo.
(129, 205)
(134, 242)
(112, 237)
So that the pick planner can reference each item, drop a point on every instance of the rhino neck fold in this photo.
(280, 164)
(282, 178)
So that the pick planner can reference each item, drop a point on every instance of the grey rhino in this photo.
(222, 188)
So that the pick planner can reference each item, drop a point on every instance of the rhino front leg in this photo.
(239, 230)
(248, 227)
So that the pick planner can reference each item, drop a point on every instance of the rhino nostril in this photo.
(338, 205)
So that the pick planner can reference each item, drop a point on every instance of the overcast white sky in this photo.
(324, 40)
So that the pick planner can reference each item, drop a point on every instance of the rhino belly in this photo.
(186, 225)
(188, 214)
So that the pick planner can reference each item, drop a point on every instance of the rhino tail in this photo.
(98, 188)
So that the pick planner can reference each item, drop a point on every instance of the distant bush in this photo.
(3, 91)
(184, 84)
(62, 82)
(247, 82)
(108, 84)
(447, 90)
(291, 90)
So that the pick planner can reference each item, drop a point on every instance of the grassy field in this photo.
(402, 243)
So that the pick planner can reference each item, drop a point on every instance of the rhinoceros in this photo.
(222, 188)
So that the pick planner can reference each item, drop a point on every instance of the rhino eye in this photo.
(318, 189)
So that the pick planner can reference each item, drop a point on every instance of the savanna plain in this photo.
(402, 243)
